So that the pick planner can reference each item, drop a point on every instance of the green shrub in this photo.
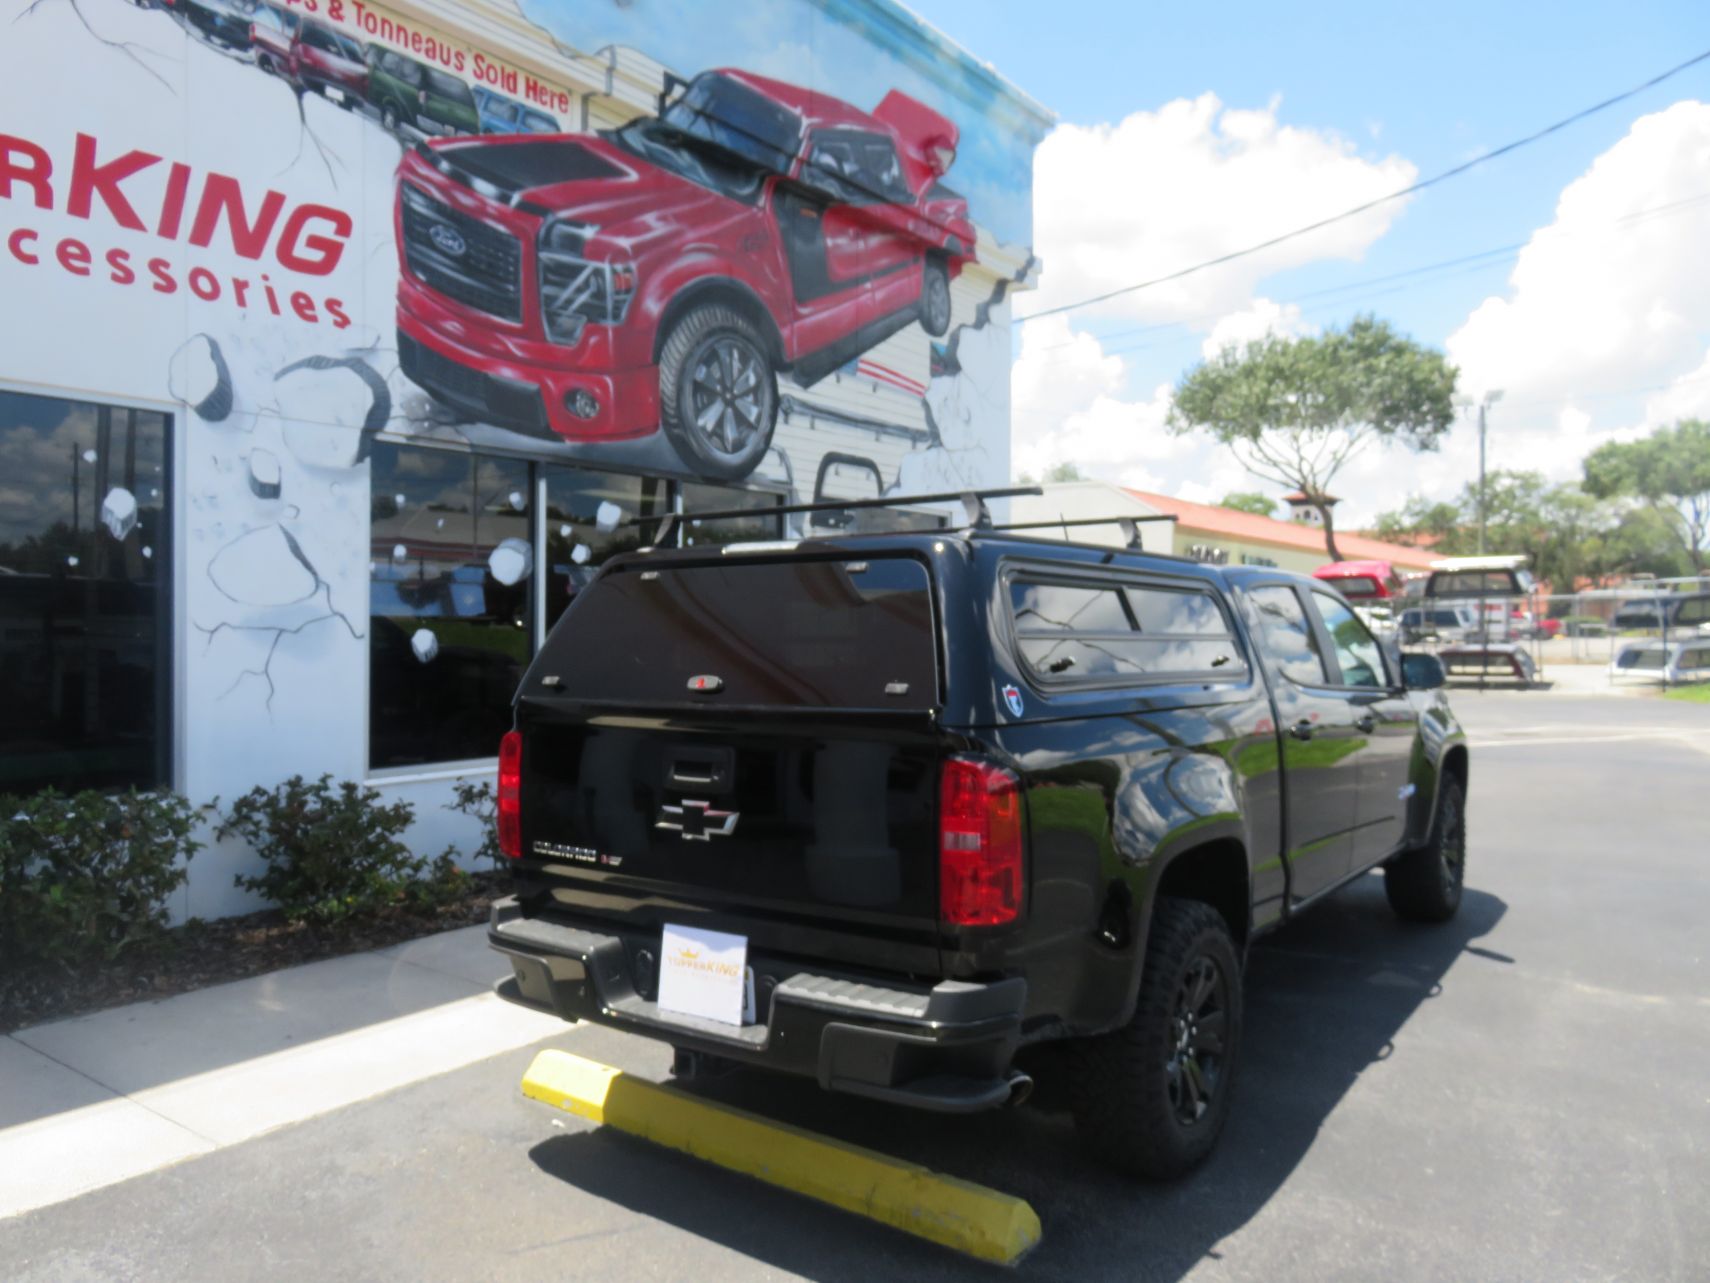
(86, 876)
(481, 801)
(330, 851)
(443, 884)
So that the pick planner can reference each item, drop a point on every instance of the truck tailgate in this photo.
(807, 837)
(751, 747)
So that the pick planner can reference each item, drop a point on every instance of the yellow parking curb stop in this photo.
(956, 1213)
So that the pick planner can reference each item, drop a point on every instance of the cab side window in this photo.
(1286, 635)
(1357, 651)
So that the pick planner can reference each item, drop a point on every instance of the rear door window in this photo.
(811, 634)
(1088, 631)
(1287, 636)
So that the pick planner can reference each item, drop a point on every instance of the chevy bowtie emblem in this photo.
(697, 821)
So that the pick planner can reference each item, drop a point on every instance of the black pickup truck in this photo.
(962, 794)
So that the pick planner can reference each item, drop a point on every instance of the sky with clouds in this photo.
(1580, 285)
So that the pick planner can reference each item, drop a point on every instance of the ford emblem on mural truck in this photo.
(426, 306)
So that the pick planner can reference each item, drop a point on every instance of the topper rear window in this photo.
(812, 634)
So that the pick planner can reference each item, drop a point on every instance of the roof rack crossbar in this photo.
(1129, 524)
(972, 501)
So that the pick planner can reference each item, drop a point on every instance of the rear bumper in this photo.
(945, 1047)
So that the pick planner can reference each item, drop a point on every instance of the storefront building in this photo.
(1208, 533)
(343, 342)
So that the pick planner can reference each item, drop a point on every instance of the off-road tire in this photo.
(702, 334)
(1120, 1083)
(1424, 884)
(935, 298)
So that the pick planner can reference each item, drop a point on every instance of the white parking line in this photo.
(89, 1137)
(1541, 736)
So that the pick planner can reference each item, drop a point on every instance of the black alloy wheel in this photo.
(1426, 883)
(726, 391)
(935, 299)
(1196, 1031)
(1151, 1097)
(718, 393)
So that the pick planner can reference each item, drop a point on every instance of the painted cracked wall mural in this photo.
(775, 249)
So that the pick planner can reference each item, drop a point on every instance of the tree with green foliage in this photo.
(1670, 471)
(1295, 410)
(1566, 534)
(1424, 523)
(1066, 471)
(1254, 501)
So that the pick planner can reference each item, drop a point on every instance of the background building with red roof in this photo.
(1206, 532)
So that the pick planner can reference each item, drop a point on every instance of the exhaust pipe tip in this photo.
(1020, 1088)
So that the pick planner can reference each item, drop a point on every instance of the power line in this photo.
(1467, 263)
(1419, 186)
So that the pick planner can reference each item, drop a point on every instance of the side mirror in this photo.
(1422, 672)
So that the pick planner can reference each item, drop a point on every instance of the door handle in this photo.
(1367, 723)
(1301, 730)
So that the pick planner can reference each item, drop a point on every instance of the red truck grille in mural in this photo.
(662, 275)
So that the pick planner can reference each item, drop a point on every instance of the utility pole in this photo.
(1490, 399)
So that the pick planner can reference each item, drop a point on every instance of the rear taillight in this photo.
(980, 882)
(510, 795)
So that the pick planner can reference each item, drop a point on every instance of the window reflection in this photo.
(1287, 636)
(84, 651)
(1356, 649)
(451, 617)
(705, 498)
(586, 522)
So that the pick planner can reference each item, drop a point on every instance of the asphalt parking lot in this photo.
(1522, 1094)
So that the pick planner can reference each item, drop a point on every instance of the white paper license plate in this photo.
(705, 973)
(335, 93)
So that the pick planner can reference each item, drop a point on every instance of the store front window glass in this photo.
(451, 612)
(587, 516)
(705, 498)
(84, 619)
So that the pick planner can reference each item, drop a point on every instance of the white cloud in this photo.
(1152, 193)
(1160, 190)
(1615, 292)
(1260, 317)
(1688, 397)
(1066, 406)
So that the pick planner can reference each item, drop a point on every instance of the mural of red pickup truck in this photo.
(603, 287)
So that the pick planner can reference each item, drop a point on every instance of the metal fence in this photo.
(1651, 631)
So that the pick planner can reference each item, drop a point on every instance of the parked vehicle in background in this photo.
(431, 101)
(1677, 610)
(1437, 622)
(310, 53)
(1502, 577)
(903, 774)
(1527, 624)
(1362, 581)
(501, 115)
(1373, 587)
(1672, 662)
(1492, 591)
(271, 32)
(662, 275)
(222, 22)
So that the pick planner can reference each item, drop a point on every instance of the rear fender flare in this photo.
(1221, 838)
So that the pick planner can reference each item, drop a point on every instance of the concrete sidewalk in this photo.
(97, 1099)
